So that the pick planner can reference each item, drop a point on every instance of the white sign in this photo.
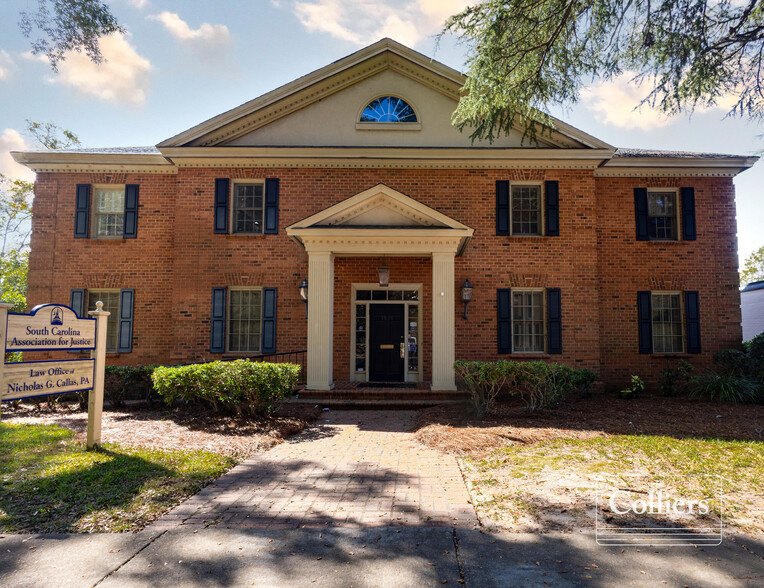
(49, 326)
(37, 378)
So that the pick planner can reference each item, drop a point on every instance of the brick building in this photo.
(578, 252)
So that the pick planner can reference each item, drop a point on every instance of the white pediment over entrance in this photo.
(381, 220)
(379, 207)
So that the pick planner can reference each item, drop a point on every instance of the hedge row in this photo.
(538, 384)
(240, 386)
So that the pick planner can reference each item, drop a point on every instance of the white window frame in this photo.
(94, 214)
(682, 320)
(545, 345)
(232, 208)
(228, 308)
(388, 126)
(677, 227)
(112, 321)
(542, 200)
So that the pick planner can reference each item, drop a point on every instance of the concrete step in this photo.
(370, 404)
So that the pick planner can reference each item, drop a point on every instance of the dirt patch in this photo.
(538, 471)
(183, 427)
(450, 429)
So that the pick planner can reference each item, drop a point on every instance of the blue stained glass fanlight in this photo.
(388, 109)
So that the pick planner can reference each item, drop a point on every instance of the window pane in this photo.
(248, 208)
(526, 210)
(528, 321)
(110, 301)
(661, 210)
(244, 320)
(109, 212)
(667, 323)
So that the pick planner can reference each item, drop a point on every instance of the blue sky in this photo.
(181, 63)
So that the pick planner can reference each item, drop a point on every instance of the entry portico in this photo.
(379, 221)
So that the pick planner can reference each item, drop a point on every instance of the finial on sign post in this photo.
(99, 306)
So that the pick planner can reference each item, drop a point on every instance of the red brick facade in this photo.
(597, 263)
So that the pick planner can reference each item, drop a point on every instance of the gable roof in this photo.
(318, 85)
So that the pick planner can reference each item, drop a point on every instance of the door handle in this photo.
(403, 350)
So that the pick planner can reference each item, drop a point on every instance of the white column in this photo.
(95, 397)
(320, 320)
(443, 321)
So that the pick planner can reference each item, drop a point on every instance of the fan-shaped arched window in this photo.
(388, 109)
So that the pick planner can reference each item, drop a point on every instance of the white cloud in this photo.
(139, 4)
(121, 77)
(614, 102)
(210, 34)
(439, 10)
(6, 65)
(11, 140)
(361, 23)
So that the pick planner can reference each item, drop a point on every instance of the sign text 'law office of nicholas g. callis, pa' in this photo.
(48, 327)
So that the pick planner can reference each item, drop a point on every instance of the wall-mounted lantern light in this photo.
(303, 289)
(466, 295)
(384, 275)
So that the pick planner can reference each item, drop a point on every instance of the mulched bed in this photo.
(180, 427)
(451, 429)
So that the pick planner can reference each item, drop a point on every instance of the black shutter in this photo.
(504, 319)
(269, 321)
(221, 205)
(502, 207)
(131, 212)
(217, 321)
(77, 304)
(640, 207)
(692, 308)
(688, 214)
(82, 211)
(125, 326)
(645, 309)
(271, 206)
(554, 320)
(552, 208)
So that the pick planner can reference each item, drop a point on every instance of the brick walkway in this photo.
(351, 469)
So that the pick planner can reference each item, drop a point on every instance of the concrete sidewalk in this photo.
(382, 556)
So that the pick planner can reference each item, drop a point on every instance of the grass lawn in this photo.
(552, 484)
(49, 483)
(539, 471)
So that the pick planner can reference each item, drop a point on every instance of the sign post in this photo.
(55, 327)
(95, 398)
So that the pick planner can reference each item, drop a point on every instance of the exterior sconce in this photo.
(303, 289)
(384, 275)
(466, 295)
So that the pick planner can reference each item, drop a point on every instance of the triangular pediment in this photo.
(320, 110)
(379, 207)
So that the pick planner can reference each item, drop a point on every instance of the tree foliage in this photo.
(68, 25)
(13, 279)
(15, 214)
(526, 56)
(51, 136)
(753, 267)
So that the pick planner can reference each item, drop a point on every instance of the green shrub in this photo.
(741, 378)
(726, 387)
(676, 378)
(636, 387)
(538, 384)
(132, 382)
(240, 386)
